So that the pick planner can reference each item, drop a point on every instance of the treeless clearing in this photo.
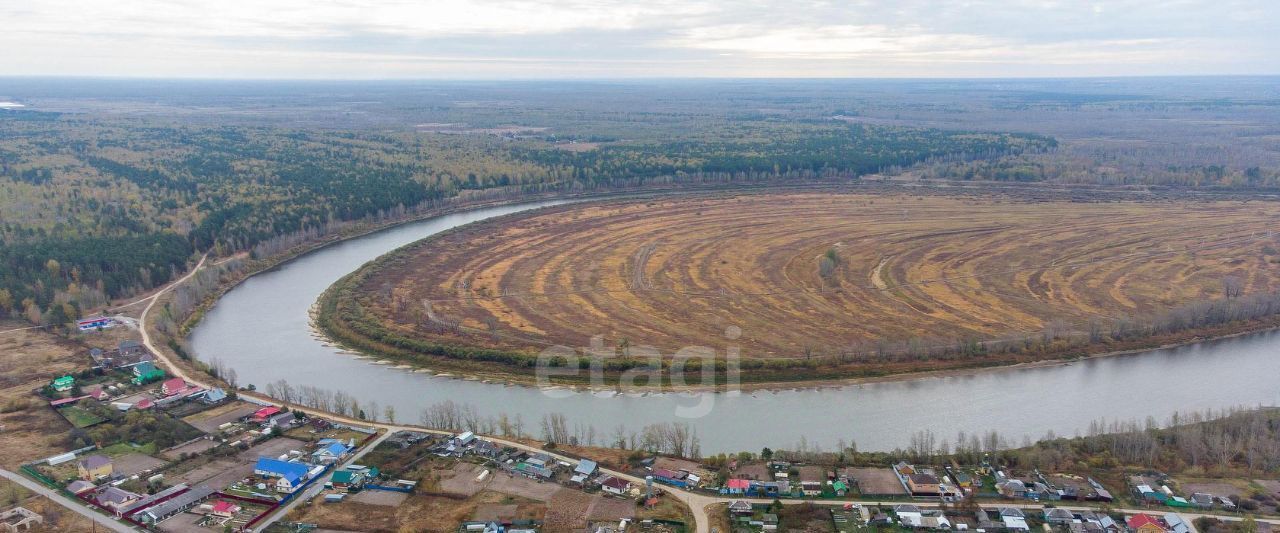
(676, 272)
(31, 358)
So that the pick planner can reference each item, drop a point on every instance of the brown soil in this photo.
(674, 272)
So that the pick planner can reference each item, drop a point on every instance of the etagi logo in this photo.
(700, 371)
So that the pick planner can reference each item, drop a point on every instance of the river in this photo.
(261, 329)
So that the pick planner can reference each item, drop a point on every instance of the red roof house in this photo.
(144, 403)
(225, 508)
(1145, 523)
(173, 386)
(738, 484)
(261, 415)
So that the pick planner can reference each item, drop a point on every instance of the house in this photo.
(214, 395)
(484, 448)
(328, 453)
(1175, 523)
(175, 505)
(94, 467)
(615, 485)
(264, 414)
(1012, 488)
(465, 438)
(585, 467)
(144, 404)
(913, 517)
(740, 508)
(840, 487)
(1058, 515)
(533, 471)
(80, 486)
(130, 348)
(116, 498)
(288, 475)
(224, 509)
(1014, 519)
(927, 484)
(769, 522)
(1145, 523)
(173, 386)
(1202, 500)
(736, 486)
(348, 480)
(283, 421)
(811, 488)
(1097, 522)
(540, 460)
(96, 392)
(671, 477)
(64, 383)
(146, 372)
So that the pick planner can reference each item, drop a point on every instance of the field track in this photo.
(676, 272)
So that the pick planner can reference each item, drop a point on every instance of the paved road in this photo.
(64, 501)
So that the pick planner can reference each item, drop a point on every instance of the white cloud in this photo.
(605, 38)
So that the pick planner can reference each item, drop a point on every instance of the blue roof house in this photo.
(288, 475)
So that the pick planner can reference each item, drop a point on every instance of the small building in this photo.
(95, 323)
(98, 393)
(1145, 523)
(348, 480)
(116, 498)
(1173, 522)
(64, 383)
(671, 477)
(177, 504)
(1058, 515)
(925, 484)
(329, 453)
(1202, 500)
(289, 476)
(173, 386)
(736, 486)
(264, 414)
(615, 485)
(465, 438)
(586, 467)
(95, 467)
(146, 372)
(80, 486)
(224, 509)
(1012, 488)
(283, 421)
(214, 395)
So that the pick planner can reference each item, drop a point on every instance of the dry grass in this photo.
(418, 513)
(32, 358)
(677, 272)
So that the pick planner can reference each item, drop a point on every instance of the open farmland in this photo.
(814, 275)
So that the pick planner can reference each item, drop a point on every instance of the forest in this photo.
(110, 187)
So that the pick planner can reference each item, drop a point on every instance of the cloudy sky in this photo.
(637, 38)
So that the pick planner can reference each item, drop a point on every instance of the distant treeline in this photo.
(99, 208)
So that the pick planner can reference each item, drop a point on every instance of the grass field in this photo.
(805, 275)
(79, 417)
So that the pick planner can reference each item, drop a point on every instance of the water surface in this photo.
(261, 330)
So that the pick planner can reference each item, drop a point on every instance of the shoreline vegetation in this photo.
(339, 318)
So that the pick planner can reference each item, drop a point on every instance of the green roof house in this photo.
(64, 383)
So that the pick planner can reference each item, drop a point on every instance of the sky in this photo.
(538, 39)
